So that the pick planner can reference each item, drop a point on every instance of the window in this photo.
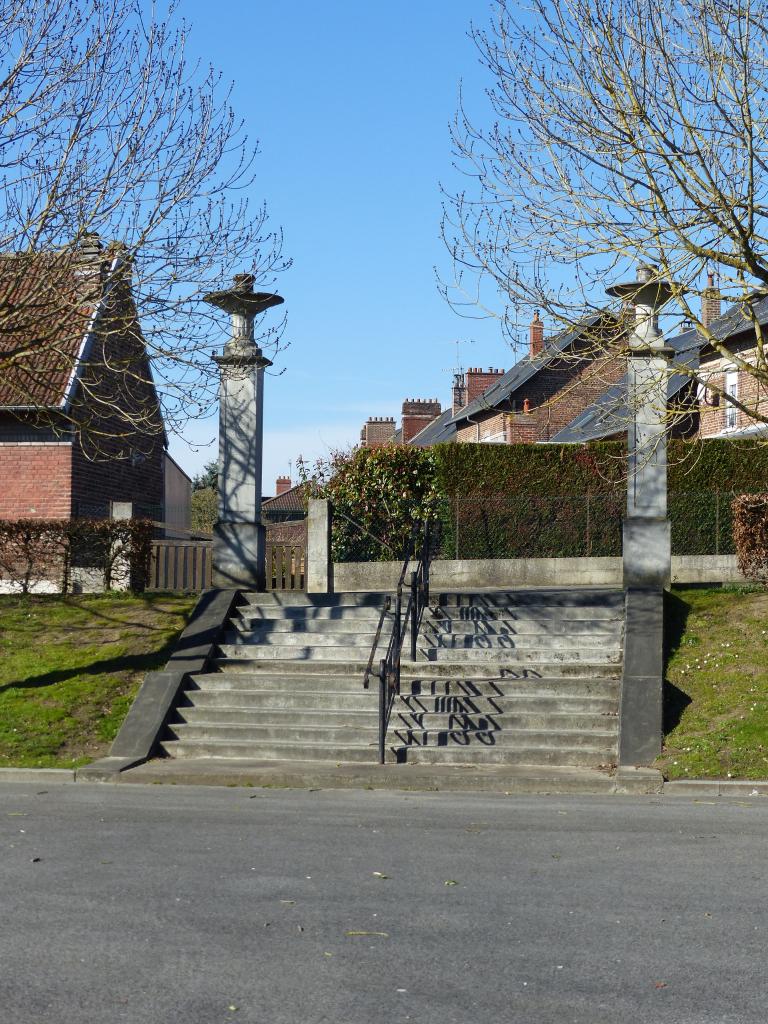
(732, 389)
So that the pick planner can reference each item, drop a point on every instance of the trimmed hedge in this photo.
(34, 550)
(497, 501)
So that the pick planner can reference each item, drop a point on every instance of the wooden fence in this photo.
(180, 565)
(286, 565)
(186, 565)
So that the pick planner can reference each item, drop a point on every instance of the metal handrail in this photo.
(369, 667)
(389, 666)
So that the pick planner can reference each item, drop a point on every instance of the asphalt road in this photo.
(162, 904)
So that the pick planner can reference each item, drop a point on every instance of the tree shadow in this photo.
(123, 663)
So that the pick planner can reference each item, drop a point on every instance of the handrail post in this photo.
(383, 698)
(414, 612)
(425, 561)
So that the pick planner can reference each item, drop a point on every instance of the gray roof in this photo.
(438, 431)
(523, 370)
(610, 413)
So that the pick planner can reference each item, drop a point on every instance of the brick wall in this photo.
(556, 395)
(35, 480)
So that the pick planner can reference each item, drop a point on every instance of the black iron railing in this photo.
(409, 617)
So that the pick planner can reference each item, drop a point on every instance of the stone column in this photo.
(319, 577)
(646, 547)
(238, 536)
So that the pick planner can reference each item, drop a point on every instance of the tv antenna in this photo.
(458, 369)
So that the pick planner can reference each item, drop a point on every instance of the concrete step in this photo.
(420, 693)
(299, 599)
(256, 735)
(524, 656)
(509, 738)
(238, 661)
(515, 642)
(469, 721)
(314, 639)
(591, 699)
(295, 680)
(593, 598)
(301, 624)
(297, 653)
(479, 753)
(500, 625)
(337, 717)
(287, 700)
(273, 751)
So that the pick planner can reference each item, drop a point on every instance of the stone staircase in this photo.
(523, 677)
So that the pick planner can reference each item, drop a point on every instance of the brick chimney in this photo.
(479, 380)
(377, 431)
(282, 484)
(536, 335)
(710, 301)
(417, 414)
(90, 265)
(459, 396)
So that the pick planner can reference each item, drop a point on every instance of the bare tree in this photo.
(621, 131)
(108, 129)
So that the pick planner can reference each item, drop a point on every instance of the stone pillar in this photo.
(646, 547)
(319, 564)
(238, 535)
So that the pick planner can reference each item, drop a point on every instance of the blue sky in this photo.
(351, 102)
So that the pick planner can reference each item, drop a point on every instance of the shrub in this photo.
(34, 550)
(378, 495)
(204, 509)
(750, 530)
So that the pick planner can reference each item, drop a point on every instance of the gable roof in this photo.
(45, 329)
(610, 413)
(438, 431)
(291, 500)
(524, 369)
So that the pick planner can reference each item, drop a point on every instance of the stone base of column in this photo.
(239, 553)
(647, 553)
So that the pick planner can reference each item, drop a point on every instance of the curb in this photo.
(715, 787)
(37, 775)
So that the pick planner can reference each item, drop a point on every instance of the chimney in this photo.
(459, 399)
(377, 431)
(282, 484)
(536, 335)
(479, 380)
(89, 267)
(417, 414)
(710, 301)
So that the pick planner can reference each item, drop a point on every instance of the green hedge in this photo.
(514, 501)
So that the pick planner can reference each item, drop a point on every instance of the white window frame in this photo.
(731, 387)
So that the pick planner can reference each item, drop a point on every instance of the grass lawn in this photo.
(70, 666)
(717, 684)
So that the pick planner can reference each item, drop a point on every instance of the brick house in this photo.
(695, 409)
(558, 378)
(717, 416)
(80, 421)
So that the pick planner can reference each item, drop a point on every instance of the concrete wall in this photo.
(449, 574)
